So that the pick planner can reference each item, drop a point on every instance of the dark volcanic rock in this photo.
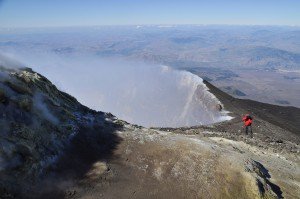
(51, 146)
(38, 123)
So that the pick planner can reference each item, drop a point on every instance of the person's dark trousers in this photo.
(249, 131)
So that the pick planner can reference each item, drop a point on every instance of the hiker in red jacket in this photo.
(247, 122)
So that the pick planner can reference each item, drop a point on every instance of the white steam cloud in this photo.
(40, 106)
(8, 62)
(148, 95)
(144, 94)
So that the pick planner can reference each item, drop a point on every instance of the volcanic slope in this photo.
(53, 147)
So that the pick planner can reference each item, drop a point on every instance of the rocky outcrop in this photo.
(266, 188)
(37, 123)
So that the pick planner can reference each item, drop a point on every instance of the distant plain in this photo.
(250, 62)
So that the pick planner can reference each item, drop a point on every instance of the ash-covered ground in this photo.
(87, 154)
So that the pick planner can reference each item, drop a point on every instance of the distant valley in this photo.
(256, 62)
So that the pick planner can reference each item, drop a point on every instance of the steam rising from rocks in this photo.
(8, 62)
(143, 94)
(140, 93)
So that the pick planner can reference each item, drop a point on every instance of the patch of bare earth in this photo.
(158, 164)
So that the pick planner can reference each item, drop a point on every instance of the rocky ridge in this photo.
(51, 146)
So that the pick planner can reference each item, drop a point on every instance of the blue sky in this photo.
(41, 13)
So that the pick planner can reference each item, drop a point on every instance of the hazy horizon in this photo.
(150, 25)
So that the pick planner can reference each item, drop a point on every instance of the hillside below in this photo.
(51, 146)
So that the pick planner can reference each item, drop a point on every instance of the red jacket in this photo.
(247, 121)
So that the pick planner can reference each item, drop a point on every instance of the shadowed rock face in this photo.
(57, 148)
(38, 124)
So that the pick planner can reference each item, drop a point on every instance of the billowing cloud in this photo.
(144, 94)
